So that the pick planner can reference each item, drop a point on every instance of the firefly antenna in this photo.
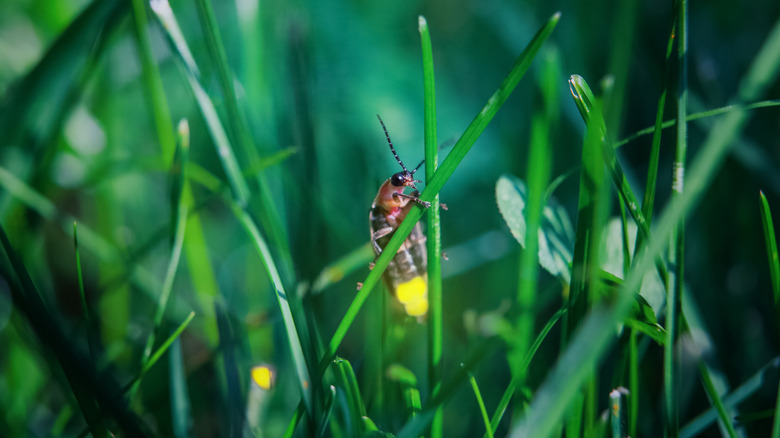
(418, 166)
(391, 144)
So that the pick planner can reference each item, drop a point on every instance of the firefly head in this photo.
(404, 178)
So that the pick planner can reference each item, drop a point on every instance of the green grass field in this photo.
(184, 198)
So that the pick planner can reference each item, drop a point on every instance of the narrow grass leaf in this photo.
(181, 412)
(155, 93)
(345, 375)
(293, 340)
(224, 149)
(774, 271)
(507, 397)
(85, 308)
(712, 393)
(771, 250)
(179, 224)
(481, 404)
(700, 115)
(746, 390)
(414, 427)
(433, 244)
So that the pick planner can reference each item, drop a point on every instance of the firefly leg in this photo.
(425, 204)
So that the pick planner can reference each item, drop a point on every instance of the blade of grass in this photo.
(153, 84)
(652, 167)
(674, 284)
(242, 138)
(85, 308)
(712, 393)
(346, 377)
(774, 271)
(700, 115)
(771, 250)
(538, 174)
(181, 412)
(415, 426)
(249, 225)
(179, 225)
(164, 14)
(585, 100)
(507, 397)
(553, 396)
(736, 397)
(433, 244)
(481, 404)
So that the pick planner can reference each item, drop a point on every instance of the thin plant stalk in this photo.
(435, 307)
(481, 404)
(677, 247)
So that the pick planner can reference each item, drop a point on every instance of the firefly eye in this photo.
(398, 179)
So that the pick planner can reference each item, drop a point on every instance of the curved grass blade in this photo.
(774, 271)
(736, 397)
(481, 404)
(700, 115)
(164, 14)
(153, 83)
(179, 225)
(89, 318)
(507, 397)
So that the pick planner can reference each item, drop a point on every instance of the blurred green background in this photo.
(78, 141)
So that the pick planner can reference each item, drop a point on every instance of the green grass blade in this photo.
(222, 144)
(652, 166)
(700, 115)
(179, 225)
(433, 244)
(481, 404)
(85, 308)
(538, 173)
(153, 84)
(347, 380)
(774, 271)
(181, 412)
(507, 397)
(674, 284)
(712, 393)
(771, 250)
(157, 354)
(747, 389)
(293, 340)
(242, 139)
(585, 101)
(417, 425)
